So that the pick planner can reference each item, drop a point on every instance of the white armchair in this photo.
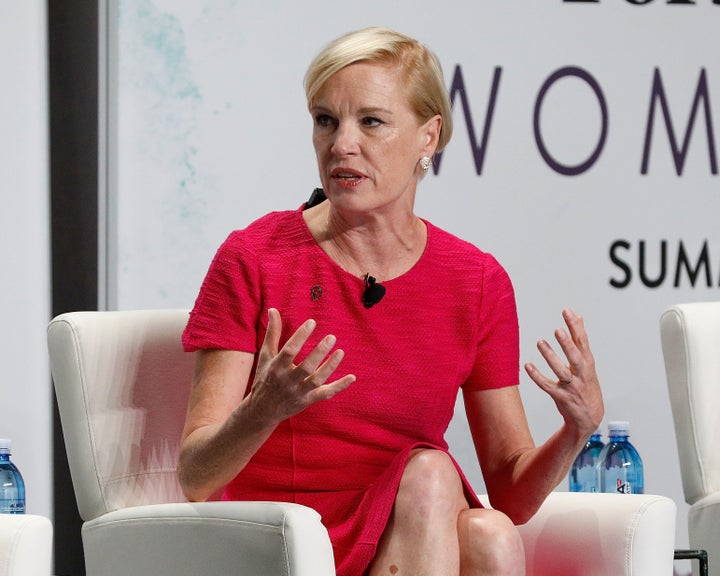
(690, 335)
(25, 545)
(122, 382)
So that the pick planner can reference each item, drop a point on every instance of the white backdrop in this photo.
(25, 387)
(576, 173)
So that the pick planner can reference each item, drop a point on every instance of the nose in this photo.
(345, 140)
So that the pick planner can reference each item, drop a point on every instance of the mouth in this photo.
(347, 176)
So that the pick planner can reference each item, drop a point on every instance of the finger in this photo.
(571, 351)
(556, 364)
(576, 326)
(327, 391)
(294, 344)
(540, 379)
(271, 341)
(582, 359)
(317, 355)
(328, 367)
(323, 391)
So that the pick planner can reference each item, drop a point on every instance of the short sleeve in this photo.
(497, 361)
(226, 311)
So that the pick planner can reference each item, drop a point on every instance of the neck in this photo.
(384, 248)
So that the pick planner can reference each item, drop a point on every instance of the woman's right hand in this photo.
(225, 427)
(283, 385)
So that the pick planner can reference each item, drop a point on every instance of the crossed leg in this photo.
(433, 532)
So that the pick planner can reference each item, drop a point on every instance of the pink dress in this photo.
(449, 322)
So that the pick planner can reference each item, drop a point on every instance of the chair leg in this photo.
(699, 555)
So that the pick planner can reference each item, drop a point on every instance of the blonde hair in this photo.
(423, 74)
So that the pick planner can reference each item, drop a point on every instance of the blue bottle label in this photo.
(623, 487)
(12, 507)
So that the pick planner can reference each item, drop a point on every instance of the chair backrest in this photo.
(122, 382)
(690, 335)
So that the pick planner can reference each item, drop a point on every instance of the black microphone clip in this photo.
(374, 292)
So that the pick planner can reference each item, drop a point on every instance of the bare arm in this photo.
(225, 427)
(210, 453)
(518, 474)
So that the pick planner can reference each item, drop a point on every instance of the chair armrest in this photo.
(601, 534)
(704, 526)
(209, 538)
(25, 545)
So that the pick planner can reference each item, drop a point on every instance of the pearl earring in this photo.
(425, 162)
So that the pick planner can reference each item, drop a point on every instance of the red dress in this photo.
(447, 323)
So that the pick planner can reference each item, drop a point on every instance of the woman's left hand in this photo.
(575, 389)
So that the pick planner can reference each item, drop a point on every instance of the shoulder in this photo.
(267, 226)
(265, 233)
(461, 254)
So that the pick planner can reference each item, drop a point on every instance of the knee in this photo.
(430, 481)
(483, 525)
(489, 538)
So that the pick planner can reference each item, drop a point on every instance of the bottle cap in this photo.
(619, 427)
(5, 445)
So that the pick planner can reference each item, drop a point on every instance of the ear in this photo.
(430, 132)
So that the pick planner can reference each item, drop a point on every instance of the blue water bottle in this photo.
(12, 486)
(620, 470)
(583, 474)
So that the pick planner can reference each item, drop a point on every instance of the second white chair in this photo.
(690, 335)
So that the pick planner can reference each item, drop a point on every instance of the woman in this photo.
(313, 385)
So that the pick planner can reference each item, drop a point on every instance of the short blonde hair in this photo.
(423, 74)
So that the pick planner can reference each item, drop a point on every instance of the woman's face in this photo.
(368, 140)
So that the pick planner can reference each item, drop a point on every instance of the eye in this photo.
(324, 120)
(371, 121)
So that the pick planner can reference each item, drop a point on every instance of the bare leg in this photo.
(432, 531)
(421, 536)
(490, 545)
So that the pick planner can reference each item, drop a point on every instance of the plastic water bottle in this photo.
(583, 474)
(12, 485)
(620, 469)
